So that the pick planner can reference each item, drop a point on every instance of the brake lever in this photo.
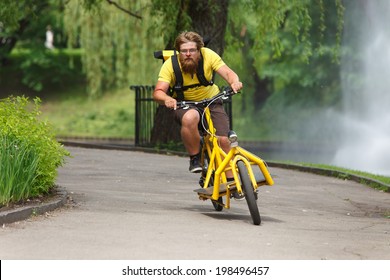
(183, 105)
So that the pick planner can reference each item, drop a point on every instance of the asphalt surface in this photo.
(137, 205)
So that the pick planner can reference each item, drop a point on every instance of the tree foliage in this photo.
(115, 43)
(15, 17)
(288, 62)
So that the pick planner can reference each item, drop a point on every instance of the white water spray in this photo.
(365, 137)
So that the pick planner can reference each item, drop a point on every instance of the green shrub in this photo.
(29, 152)
(41, 70)
(49, 69)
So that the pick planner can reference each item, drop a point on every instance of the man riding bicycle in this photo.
(192, 53)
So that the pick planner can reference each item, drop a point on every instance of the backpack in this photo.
(179, 88)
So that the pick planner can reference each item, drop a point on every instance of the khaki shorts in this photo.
(218, 115)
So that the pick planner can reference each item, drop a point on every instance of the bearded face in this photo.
(189, 58)
(189, 65)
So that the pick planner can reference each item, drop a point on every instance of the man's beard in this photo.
(188, 65)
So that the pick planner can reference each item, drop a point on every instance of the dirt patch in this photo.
(22, 210)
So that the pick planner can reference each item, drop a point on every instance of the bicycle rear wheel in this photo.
(249, 192)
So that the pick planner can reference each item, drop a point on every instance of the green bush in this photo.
(29, 152)
(40, 70)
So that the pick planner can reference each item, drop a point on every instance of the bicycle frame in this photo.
(222, 162)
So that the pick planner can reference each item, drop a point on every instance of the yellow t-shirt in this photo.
(211, 62)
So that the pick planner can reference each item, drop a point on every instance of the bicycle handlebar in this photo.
(224, 94)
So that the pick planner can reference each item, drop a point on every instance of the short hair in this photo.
(189, 36)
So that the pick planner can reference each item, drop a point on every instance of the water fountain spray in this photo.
(365, 75)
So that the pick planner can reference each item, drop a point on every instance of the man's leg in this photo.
(189, 131)
(191, 138)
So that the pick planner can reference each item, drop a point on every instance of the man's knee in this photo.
(190, 118)
(224, 140)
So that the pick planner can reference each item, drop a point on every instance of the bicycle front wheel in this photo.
(249, 192)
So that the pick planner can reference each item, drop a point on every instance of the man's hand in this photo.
(236, 86)
(161, 97)
(170, 103)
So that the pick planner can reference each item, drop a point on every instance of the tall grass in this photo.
(18, 169)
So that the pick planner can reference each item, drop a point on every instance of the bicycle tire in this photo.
(249, 193)
(218, 204)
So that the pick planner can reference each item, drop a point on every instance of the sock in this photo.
(193, 156)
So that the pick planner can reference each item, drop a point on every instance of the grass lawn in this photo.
(75, 114)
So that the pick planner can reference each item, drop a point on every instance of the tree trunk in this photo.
(165, 129)
(209, 20)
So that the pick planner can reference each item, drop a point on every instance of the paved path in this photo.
(135, 205)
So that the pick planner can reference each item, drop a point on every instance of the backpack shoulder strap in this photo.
(200, 73)
(178, 88)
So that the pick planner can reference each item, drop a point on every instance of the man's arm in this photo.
(230, 77)
(161, 97)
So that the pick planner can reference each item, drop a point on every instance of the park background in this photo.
(314, 72)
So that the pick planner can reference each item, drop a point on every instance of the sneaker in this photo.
(238, 196)
(195, 165)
